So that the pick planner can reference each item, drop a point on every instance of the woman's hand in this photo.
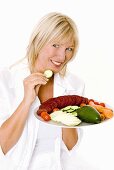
(32, 84)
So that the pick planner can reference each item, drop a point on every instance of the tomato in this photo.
(45, 116)
(43, 113)
(97, 103)
(91, 100)
(55, 109)
(102, 104)
(91, 103)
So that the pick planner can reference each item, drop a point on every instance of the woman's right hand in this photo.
(32, 84)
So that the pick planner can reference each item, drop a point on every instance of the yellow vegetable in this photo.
(48, 73)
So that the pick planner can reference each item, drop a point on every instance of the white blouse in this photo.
(40, 146)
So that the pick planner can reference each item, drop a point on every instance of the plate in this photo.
(81, 125)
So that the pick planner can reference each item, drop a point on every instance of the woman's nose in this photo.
(62, 53)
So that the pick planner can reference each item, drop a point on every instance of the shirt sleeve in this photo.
(5, 105)
(5, 109)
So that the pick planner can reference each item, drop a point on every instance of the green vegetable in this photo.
(74, 113)
(66, 108)
(70, 108)
(88, 114)
(69, 111)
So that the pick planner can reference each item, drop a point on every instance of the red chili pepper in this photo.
(102, 104)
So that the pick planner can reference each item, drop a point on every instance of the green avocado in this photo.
(88, 114)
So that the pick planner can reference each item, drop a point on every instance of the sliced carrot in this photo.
(108, 108)
(102, 116)
(102, 109)
(99, 108)
(108, 113)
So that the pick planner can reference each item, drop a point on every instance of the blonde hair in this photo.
(53, 26)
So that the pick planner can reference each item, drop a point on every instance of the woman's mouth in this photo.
(56, 63)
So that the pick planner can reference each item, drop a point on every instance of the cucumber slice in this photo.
(65, 118)
(70, 111)
(66, 108)
(48, 73)
(74, 107)
(74, 113)
(70, 108)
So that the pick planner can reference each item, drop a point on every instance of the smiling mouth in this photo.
(56, 63)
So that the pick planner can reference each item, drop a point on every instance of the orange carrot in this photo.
(104, 111)
(108, 108)
(102, 116)
(99, 108)
(108, 113)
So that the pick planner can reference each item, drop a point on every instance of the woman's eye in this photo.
(56, 45)
(69, 49)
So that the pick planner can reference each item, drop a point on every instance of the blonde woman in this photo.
(26, 143)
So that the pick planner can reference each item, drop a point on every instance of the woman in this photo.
(27, 144)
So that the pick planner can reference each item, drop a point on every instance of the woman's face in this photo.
(54, 56)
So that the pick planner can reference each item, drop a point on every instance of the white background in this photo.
(93, 63)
